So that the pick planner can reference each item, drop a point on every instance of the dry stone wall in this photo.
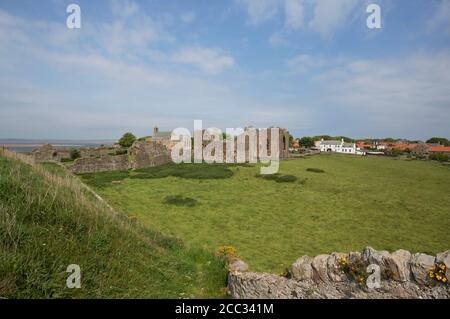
(405, 275)
(101, 164)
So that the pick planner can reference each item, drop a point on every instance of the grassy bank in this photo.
(48, 221)
(336, 203)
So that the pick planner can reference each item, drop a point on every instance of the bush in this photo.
(393, 152)
(74, 154)
(121, 152)
(270, 177)
(441, 157)
(286, 179)
(278, 178)
(315, 170)
(127, 140)
(179, 200)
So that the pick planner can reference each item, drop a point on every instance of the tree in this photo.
(127, 140)
(420, 151)
(439, 140)
(307, 142)
(74, 154)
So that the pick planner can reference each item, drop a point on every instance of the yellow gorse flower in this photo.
(439, 273)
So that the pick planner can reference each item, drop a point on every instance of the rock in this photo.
(421, 264)
(376, 257)
(319, 265)
(444, 258)
(399, 265)
(334, 272)
(354, 256)
(238, 266)
(302, 269)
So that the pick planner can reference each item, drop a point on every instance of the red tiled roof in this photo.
(439, 149)
(402, 147)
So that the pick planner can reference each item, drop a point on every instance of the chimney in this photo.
(155, 130)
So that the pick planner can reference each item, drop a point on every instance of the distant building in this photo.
(164, 138)
(339, 147)
(439, 149)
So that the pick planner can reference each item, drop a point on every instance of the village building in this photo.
(166, 138)
(340, 147)
(439, 149)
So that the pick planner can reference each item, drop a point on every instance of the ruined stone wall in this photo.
(96, 152)
(139, 155)
(404, 276)
(48, 152)
(148, 154)
(102, 164)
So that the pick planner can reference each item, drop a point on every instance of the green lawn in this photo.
(48, 221)
(357, 201)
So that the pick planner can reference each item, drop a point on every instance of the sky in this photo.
(313, 67)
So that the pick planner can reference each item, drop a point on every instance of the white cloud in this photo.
(131, 30)
(303, 63)
(294, 11)
(209, 60)
(440, 19)
(405, 95)
(321, 16)
(330, 15)
(124, 8)
(261, 10)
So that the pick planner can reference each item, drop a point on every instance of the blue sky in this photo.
(310, 66)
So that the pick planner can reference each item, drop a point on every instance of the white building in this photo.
(339, 147)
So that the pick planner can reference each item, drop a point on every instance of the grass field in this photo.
(355, 202)
(49, 221)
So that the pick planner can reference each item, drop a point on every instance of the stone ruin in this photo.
(99, 164)
(148, 154)
(141, 154)
(321, 277)
(48, 152)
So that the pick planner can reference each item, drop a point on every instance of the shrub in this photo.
(74, 154)
(438, 273)
(66, 160)
(441, 157)
(393, 152)
(278, 178)
(127, 140)
(179, 200)
(355, 270)
(315, 170)
(227, 254)
(271, 177)
(121, 152)
(286, 179)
